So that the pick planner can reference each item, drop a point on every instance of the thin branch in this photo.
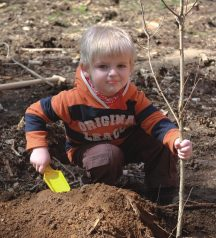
(166, 90)
(194, 87)
(151, 67)
(144, 21)
(36, 185)
(186, 5)
(158, 86)
(191, 8)
(32, 72)
(170, 9)
(188, 99)
(158, 28)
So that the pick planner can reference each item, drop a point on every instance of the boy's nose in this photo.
(112, 71)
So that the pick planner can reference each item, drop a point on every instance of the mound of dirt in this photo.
(91, 211)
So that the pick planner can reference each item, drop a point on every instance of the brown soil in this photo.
(27, 208)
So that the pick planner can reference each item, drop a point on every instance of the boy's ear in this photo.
(85, 70)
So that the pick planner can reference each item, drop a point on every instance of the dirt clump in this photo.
(91, 211)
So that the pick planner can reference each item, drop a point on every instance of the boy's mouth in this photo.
(112, 81)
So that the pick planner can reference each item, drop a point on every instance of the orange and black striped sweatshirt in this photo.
(88, 119)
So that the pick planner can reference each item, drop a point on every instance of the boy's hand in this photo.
(184, 148)
(40, 158)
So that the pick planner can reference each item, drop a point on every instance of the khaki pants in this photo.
(104, 161)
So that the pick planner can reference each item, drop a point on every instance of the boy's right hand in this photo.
(40, 158)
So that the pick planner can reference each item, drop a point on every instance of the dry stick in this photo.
(32, 72)
(94, 225)
(23, 66)
(14, 85)
(21, 123)
(32, 50)
(134, 207)
(194, 206)
(146, 217)
(14, 150)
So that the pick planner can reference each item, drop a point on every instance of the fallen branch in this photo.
(14, 150)
(4, 4)
(23, 66)
(32, 72)
(33, 50)
(21, 124)
(190, 206)
(15, 85)
(134, 207)
(94, 225)
(146, 218)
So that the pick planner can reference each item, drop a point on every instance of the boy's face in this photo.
(109, 74)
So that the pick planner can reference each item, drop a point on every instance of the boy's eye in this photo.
(122, 66)
(102, 66)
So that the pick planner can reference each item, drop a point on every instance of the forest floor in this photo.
(27, 208)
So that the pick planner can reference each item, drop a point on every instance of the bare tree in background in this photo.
(180, 16)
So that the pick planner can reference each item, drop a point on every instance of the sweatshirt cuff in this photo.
(170, 138)
(36, 139)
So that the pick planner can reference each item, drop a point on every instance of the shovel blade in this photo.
(55, 180)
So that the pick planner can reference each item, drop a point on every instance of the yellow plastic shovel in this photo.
(55, 180)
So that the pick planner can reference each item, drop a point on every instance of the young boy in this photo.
(108, 121)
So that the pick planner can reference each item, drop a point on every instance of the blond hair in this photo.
(103, 40)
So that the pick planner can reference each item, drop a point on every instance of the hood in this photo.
(79, 83)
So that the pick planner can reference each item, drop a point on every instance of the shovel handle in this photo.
(48, 169)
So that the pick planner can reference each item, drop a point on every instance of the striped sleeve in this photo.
(36, 118)
(156, 124)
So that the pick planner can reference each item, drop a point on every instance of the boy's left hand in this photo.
(184, 148)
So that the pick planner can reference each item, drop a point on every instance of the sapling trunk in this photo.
(180, 112)
(180, 17)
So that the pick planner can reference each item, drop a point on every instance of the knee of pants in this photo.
(104, 163)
